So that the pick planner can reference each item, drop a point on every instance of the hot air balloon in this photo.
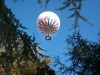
(48, 23)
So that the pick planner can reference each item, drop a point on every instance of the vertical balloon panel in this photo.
(48, 24)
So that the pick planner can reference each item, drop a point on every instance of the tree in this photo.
(19, 53)
(84, 57)
(83, 54)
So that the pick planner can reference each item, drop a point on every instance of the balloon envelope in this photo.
(48, 23)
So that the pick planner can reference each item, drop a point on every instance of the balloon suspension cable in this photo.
(48, 37)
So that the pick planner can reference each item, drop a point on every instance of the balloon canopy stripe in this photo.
(43, 23)
(48, 26)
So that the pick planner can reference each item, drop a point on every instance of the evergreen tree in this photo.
(19, 53)
(84, 56)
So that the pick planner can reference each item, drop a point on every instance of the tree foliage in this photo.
(75, 6)
(84, 56)
(19, 53)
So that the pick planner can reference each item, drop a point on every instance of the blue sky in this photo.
(29, 10)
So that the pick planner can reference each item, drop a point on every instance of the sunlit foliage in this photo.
(19, 53)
